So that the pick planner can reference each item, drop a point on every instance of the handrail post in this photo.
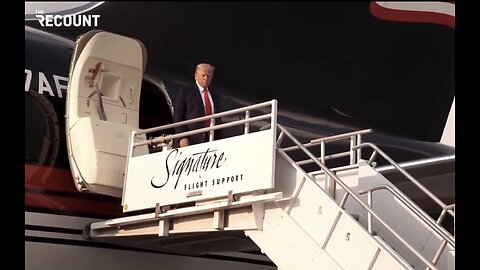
(369, 216)
(439, 252)
(294, 198)
(280, 138)
(344, 200)
(210, 133)
(442, 216)
(454, 222)
(328, 180)
(273, 118)
(372, 157)
(331, 189)
(359, 150)
(352, 152)
(322, 152)
(247, 124)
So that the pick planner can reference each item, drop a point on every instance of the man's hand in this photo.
(184, 142)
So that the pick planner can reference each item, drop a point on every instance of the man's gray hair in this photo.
(205, 66)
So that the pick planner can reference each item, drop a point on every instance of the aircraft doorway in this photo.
(155, 105)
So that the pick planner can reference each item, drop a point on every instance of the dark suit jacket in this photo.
(187, 105)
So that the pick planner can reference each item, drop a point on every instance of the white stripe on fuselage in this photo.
(59, 221)
(52, 222)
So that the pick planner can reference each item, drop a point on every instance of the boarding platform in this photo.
(258, 187)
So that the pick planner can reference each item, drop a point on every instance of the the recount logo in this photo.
(62, 14)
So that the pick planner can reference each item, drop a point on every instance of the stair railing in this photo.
(348, 192)
(445, 208)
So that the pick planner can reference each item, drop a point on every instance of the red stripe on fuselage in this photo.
(73, 205)
(49, 178)
(41, 184)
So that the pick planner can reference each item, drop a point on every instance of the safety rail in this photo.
(348, 192)
(246, 121)
(445, 208)
(444, 212)
(355, 139)
(411, 205)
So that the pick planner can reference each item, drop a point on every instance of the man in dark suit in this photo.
(196, 101)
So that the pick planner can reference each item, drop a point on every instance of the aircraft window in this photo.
(41, 131)
(155, 106)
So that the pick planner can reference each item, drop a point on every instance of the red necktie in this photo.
(208, 105)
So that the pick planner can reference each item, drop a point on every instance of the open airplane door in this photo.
(102, 109)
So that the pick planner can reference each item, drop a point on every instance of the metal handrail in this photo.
(248, 119)
(208, 117)
(201, 130)
(332, 156)
(406, 174)
(332, 138)
(349, 192)
(340, 136)
(412, 206)
(355, 138)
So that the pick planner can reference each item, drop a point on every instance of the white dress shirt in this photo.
(203, 98)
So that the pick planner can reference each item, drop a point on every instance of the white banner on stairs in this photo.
(203, 171)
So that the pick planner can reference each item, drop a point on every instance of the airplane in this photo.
(56, 212)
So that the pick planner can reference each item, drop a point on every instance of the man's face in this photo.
(203, 77)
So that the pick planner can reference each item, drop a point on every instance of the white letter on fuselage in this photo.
(43, 84)
(28, 79)
(59, 86)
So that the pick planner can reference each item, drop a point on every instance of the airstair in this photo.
(300, 212)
